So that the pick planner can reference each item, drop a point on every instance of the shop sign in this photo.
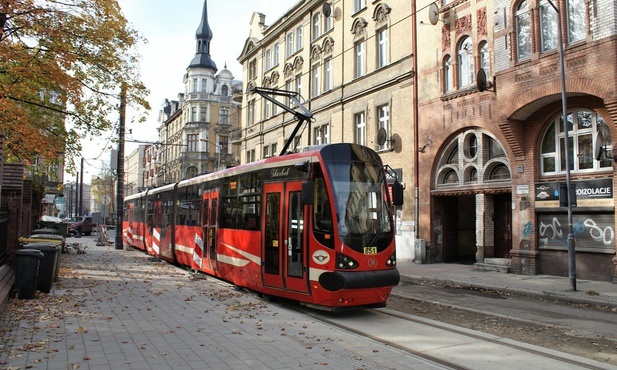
(589, 193)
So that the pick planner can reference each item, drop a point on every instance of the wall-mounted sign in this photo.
(589, 193)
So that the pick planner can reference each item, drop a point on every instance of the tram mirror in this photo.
(308, 192)
(397, 193)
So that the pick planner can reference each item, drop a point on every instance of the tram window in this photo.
(322, 213)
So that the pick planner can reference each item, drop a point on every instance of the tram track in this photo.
(453, 347)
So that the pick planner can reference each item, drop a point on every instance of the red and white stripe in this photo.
(198, 251)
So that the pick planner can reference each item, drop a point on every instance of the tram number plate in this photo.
(370, 250)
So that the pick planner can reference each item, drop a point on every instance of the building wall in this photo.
(517, 114)
(334, 107)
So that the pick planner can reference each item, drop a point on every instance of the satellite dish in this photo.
(433, 14)
(381, 136)
(327, 9)
(481, 80)
(483, 84)
(597, 148)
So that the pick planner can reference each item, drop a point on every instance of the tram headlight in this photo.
(345, 262)
(391, 261)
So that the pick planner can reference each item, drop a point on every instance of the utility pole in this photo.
(119, 242)
(81, 189)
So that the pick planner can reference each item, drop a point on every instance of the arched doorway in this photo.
(472, 201)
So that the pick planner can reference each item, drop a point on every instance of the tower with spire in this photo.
(197, 134)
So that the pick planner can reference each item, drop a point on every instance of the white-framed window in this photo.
(358, 5)
(289, 45)
(582, 126)
(250, 112)
(193, 114)
(359, 120)
(204, 85)
(448, 78)
(274, 107)
(360, 59)
(299, 38)
(202, 113)
(194, 85)
(465, 63)
(289, 87)
(223, 116)
(328, 23)
(316, 80)
(275, 149)
(275, 55)
(321, 134)
(548, 27)
(485, 62)
(268, 60)
(299, 86)
(266, 151)
(382, 48)
(250, 156)
(383, 121)
(252, 69)
(523, 31)
(577, 20)
(267, 108)
(328, 75)
(192, 141)
(316, 25)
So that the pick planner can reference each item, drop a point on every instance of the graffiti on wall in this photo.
(593, 232)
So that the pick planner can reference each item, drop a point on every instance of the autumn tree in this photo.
(61, 67)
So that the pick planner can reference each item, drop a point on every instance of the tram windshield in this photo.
(361, 201)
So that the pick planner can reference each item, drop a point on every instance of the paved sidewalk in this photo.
(117, 309)
(587, 291)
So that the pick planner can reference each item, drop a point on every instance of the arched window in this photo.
(485, 63)
(523, 31)
(477, 157)
(224, 90)
(577, 20)
(191, 172)
(447, 75)
(583, 124)
(465, 63)
(548, 26)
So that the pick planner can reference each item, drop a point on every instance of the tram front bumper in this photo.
(337, 280)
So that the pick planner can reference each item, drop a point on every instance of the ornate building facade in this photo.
(498, 150)
(196, 131)
(351, 63)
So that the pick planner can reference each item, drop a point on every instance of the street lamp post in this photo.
(570, 239)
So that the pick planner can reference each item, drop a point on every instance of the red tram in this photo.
(315, 226)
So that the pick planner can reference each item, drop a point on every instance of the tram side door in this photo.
(284, 244)
(209, 219)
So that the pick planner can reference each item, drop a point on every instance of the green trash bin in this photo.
(48, 265)
(59, 240)
(26, 273)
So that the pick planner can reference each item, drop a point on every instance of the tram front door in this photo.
(284, 246)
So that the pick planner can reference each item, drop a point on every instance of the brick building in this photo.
(491, 175)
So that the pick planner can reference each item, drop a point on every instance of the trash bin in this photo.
(55, 239)
(48, 265)
(26, 273)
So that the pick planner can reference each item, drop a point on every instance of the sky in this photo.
(169, 27)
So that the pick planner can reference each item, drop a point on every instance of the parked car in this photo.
(81, 225)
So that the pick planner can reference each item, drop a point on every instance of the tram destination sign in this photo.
(589, 193)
